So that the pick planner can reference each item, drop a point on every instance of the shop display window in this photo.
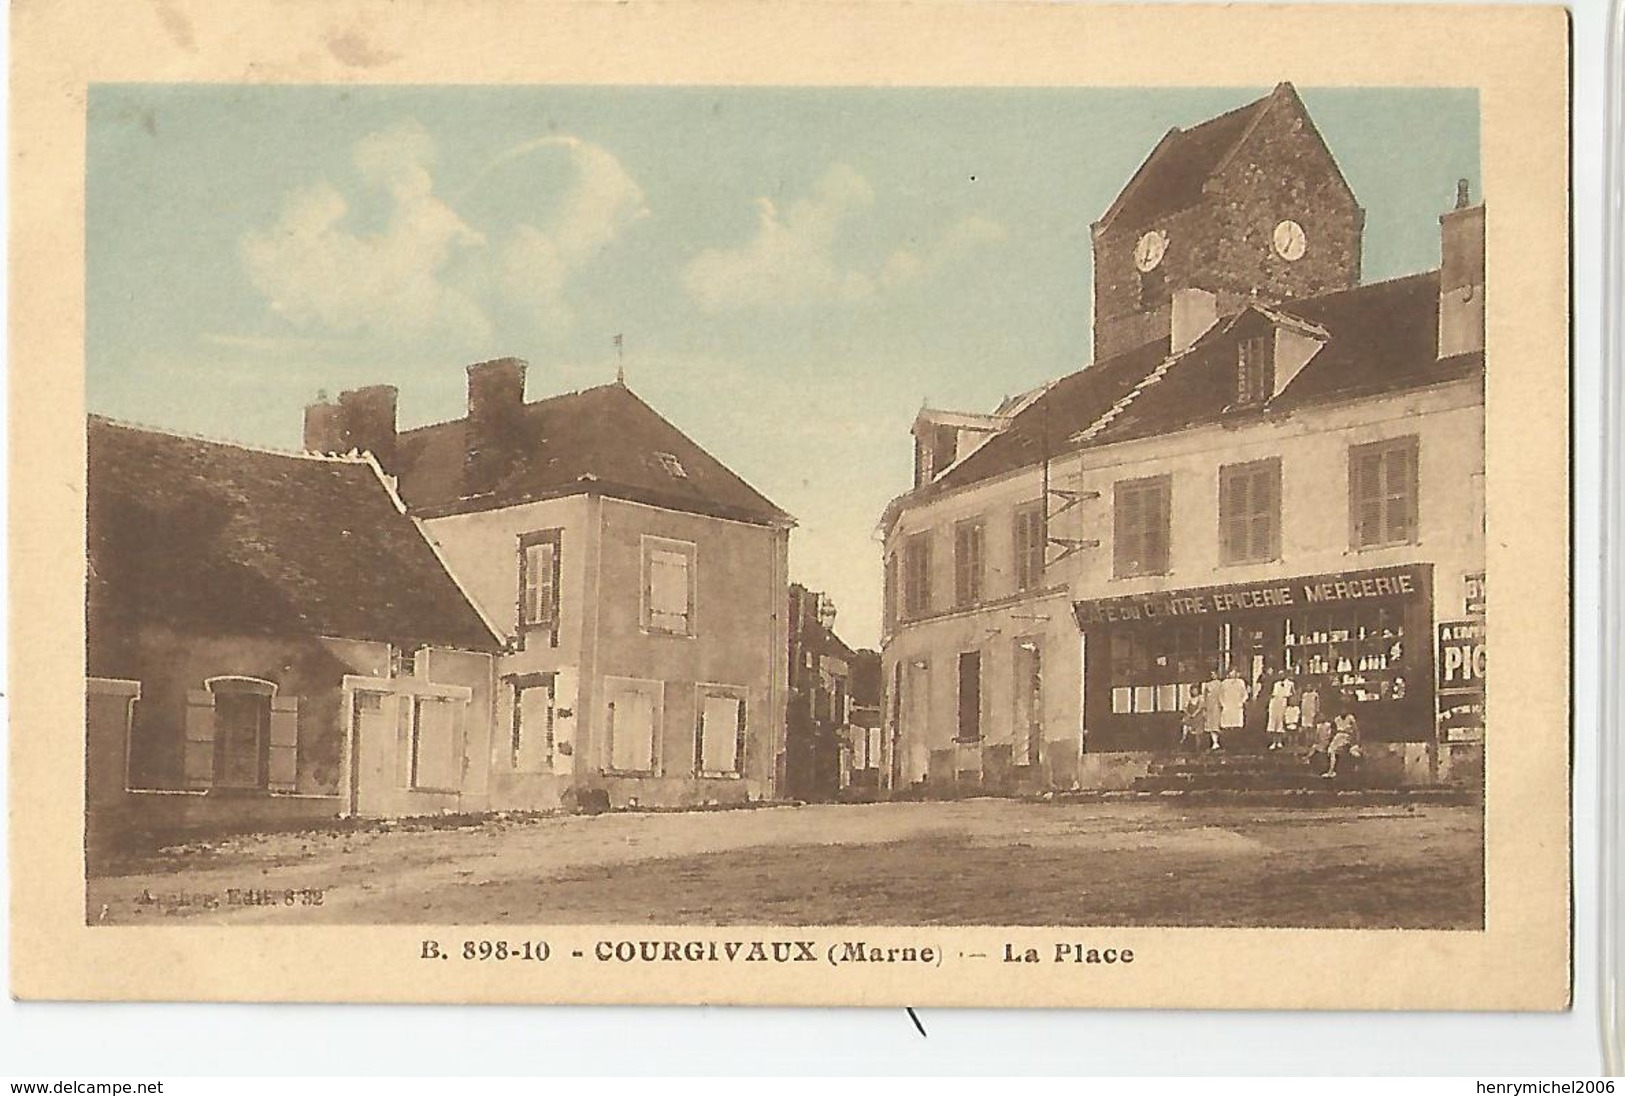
(1159, 670)
(1361, 650)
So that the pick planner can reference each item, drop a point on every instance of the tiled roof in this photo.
(209, 537)
(1171, 177)
(1379, 338)
(1069, 405)
(602, 439)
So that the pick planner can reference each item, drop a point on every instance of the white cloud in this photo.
(600, 201)
(318, 273)
(791, 259)
(426, 271)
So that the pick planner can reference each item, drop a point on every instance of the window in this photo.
(1029, 689)
(539, 582)
(1255, 370)
(1250, 512)
(1140, 527)
(240, 734)
(889, 594)
(668, 586)
(436, 747)
(531, 733)
(1153, 289)
(719, 741)
(970, 696)
(944, 448)
(1383, 493)
(1030, 537)
(632, 720)
(968, 555)
(917, 575)
(402, 663)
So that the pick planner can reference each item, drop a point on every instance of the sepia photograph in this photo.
(1075, 495)
(631, 524)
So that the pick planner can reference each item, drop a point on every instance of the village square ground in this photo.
(985, 861)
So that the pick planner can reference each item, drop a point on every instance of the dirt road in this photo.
(969, 862)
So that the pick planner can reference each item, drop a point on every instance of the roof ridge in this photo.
(354, 456)
(526, 404)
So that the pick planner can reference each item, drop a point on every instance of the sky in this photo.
(794, 271)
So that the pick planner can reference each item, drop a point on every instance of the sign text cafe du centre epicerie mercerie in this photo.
(1276, 594)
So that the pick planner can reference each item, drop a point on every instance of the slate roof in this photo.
(602, 439)
(1171, 177)
(209, 537)
(1381, 338)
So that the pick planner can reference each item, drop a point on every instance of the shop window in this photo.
(1383, 492)
(531, 731)
(719, 742)
(917, 575)
(1359, 651)
(668, 586)
(1030, 544)
(970, 696)
(632, 717)
(539, 582)
(435, 746)
(1255, 370)
(969, 542)
(1158, 672)
(1140, 527)
(1250, 512)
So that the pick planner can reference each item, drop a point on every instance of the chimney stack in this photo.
(368, 415)
(1461, 276)
(496, 405)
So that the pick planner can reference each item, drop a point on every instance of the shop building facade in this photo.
(1288, 482)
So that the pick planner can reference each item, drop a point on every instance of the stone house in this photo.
(639, 585)
(270, 639)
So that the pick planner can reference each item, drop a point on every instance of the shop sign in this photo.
(1461, 668)
(1473, 594)
(1293, 593)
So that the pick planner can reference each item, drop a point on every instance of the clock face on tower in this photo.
(1150, 250)
(1290, 241)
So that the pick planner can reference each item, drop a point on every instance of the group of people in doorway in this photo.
(1314, 717)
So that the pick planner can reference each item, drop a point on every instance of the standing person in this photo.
(1309, 708)
(1233, 694)
(1280, 699)
(1210, 705)
(1191, 728)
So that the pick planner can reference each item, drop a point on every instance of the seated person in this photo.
(1345, 742)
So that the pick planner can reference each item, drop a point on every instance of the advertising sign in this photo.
(1461, 667)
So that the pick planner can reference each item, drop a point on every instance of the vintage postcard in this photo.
(791, 503)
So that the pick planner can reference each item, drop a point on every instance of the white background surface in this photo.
(61, 1041)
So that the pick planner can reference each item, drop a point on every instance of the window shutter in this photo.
(529, 601)
(198, 759)
(405, 722)
(284, 743)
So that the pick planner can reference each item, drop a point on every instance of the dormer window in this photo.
(1255, 370)
(673, 466)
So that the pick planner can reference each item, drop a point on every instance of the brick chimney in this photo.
(1461, 276)
(369, 421)
(496, 407)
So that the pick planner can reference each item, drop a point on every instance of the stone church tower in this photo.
(1247, 205)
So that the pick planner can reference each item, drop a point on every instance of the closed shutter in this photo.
(284, 744)
(631, 730)
(720, 720)
(1365, 498)
(198, 759)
